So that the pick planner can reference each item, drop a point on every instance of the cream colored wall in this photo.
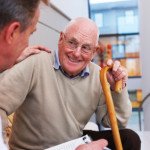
(72, 8)
(50, 24)
(54, 18)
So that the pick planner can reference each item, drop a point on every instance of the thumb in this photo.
(100, 143)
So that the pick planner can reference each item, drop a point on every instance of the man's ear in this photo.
(61, 37)
(12, 32)
(95, 51)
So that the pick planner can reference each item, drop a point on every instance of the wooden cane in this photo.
(9, 127)
(110, 105)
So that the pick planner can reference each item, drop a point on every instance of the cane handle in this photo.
(110, 105)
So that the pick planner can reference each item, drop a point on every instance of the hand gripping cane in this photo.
(110, 105)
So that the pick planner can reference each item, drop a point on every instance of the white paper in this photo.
(2, 144)
(72, 145)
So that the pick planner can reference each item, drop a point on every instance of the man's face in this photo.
(13, 50)
(76, 50)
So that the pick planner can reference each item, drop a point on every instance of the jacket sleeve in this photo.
(122, 105)
(15, 83)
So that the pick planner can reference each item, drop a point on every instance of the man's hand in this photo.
(117, 73)
(95, 145)
(30, 50)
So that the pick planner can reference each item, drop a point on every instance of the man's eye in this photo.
(72, 42)
(86, 48)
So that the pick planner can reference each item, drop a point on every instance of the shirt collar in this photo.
(57, 66)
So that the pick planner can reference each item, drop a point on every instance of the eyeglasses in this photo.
(73, 44)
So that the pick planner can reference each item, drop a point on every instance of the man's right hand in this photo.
(31, 50)
(94, 145)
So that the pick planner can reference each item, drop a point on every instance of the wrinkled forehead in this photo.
(83, 32)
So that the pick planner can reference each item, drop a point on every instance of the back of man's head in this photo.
(18, 10)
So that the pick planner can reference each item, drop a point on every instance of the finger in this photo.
(45, 49)
(102, 143)
(37, 47)
(120, 73)
(33, 51)
(40, 47)
(116, 65)
(124, 82)
(109, 62)
(120, 76)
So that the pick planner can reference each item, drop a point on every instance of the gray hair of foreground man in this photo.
(18, 10)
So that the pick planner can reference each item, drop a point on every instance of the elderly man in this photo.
(54, 95)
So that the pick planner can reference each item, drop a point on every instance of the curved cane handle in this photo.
(110, 105)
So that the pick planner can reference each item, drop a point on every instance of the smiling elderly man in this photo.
(54, 95)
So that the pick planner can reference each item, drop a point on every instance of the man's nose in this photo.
(77, 51)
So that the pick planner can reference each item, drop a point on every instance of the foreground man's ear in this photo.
(12, 32)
